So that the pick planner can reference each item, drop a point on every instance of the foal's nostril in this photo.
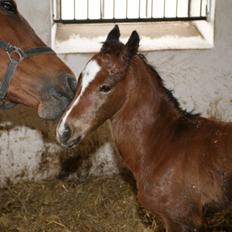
(66, 134)
(78, 140)
(72, 83)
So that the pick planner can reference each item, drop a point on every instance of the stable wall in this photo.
(200, 79)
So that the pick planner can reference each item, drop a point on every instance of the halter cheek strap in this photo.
(16, 56)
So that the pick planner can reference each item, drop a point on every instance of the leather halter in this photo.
(16, 55)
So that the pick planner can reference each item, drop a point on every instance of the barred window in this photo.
(81, 25)
(97, 11)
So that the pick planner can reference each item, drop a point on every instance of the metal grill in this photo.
(113, 11)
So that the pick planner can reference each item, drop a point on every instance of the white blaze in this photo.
(88, 75)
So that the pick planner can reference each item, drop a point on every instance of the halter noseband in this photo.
(16, 55)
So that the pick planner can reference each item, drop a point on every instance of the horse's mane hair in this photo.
(169, 93)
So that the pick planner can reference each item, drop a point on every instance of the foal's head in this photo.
(101, 89)
(44, 81)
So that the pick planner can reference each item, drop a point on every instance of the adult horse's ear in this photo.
(114, 34)
(133, 44)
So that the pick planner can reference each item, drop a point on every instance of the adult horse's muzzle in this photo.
(56, 99)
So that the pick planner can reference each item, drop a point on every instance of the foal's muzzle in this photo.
(64, 136)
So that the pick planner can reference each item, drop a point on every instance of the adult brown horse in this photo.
(182, 163)
(39, 78)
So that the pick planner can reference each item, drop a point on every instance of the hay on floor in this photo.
(97, 205)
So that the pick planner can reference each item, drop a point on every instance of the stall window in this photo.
(152, 18)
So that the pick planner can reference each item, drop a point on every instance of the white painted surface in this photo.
(87, 45)
(104, 161)
(21, 155)
(38, 14)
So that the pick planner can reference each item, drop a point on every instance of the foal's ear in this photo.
(114, 34)
(133, 44)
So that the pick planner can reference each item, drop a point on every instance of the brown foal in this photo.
(182, 162)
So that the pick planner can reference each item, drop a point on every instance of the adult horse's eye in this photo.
(8, 6)
(105, 88)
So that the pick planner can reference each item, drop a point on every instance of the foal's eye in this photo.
(8, 6)
(105, 88)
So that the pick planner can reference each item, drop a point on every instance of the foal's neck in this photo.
(146, 117)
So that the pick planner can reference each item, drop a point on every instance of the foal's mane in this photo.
(168, 93)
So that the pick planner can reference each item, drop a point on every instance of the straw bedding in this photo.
(100, 204)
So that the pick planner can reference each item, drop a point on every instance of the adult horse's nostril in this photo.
(72, 83)
(65, 135)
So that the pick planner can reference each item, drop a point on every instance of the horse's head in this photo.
(42, 81)
(101, 89)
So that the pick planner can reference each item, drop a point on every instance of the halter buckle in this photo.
(15, 54)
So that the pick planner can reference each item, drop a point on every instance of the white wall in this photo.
(201, 80)
(38, 14)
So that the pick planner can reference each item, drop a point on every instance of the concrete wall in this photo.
(38, 14)
(201, 80)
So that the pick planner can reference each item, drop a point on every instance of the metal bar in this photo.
(130, 20)
(177, 4)
(189, 8)
(201, 8)
(126, 9)
(152, 9)
(74, 8)
(60, 9)
(114, 9)
(102, 8)
(87, 9)
(146, 8)
(164, 8)
(139, 8)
